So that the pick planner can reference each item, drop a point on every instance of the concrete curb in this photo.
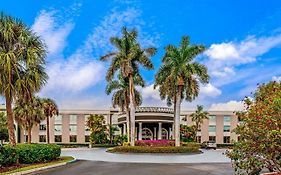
(44, 168)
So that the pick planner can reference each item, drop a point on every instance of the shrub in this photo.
(146, 149)
(155, 143)
(34, 153)
(191, 144)
(8, 155)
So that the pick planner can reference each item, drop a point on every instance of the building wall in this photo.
(80, 133)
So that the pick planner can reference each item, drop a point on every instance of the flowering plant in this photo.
(259, 145)
(155, 143)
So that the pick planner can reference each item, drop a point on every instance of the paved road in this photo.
(100, 154)
(84, 167)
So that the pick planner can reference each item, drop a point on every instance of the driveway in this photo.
(84, 167)
(100, 154)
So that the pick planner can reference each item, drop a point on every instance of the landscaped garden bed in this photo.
(23, 155)
(157, 146)
(15, 168)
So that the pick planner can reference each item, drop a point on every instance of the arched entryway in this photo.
(165, 135)
(147, 134)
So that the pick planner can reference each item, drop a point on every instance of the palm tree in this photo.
(50, 109)
(28, 114)
(22, 60)
(120, 96)
(127, 59)
(197, 117)
(179, 76)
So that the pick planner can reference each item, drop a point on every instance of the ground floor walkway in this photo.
(84, 167)
(100, 154)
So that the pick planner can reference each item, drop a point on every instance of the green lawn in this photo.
(39, 165)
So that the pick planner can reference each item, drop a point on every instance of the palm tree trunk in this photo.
(10, 120)
(48, 129)
(177, 119)
(127, 118)
(29, 134)
(175, 99)
(110, 128)
(132, 109)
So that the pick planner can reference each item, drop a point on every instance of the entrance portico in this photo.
(152, 123)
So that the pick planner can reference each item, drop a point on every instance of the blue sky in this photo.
(243, 40)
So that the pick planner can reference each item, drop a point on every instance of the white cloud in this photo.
(149, 92)
(70, 75)
(53, 33)
(228, 106)
(111, 25)
(73, 75)
(224, 57)
(209, 90)
(276, 78)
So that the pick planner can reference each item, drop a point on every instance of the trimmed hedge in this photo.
(8, 155)
(146, 149)
(34, 153)
(28, 153)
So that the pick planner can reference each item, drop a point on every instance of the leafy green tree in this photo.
(187, 133)
(98, 130)
(259, 144)
(197, 117)
(120, 96)
(4, 136)
(179, 76)
(28, 114)
(50, 109)
(127, 59)
(22, 60)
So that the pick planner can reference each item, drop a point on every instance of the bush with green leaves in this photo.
(145, 149)
(8, 155)
(35, 153)
(98, 130)
(259, 145)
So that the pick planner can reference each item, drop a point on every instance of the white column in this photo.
(136, 133)
(154, 134)
(160, 131)
(140, 130)
(124, 129)
(170, 132)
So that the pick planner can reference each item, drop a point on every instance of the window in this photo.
(42, 127)
(212, 128)
(87, 138)
(226, 128)
(226, 119)
(73, 138)
(212, 138)
(73, 118)
(212, 119)
(26, 138)
(72, 128)
(58, 128)
(58, 138)
(42, 138)
(58, 119)
(226, 139)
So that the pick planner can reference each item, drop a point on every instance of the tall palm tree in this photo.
(22, 60)
(127, 59)
(179, 76)
(50, 109)
(197, 117)
(121, 95)
(28, 114)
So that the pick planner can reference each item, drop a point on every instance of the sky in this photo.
(243, 41)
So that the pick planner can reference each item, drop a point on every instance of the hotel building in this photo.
(152, 123)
